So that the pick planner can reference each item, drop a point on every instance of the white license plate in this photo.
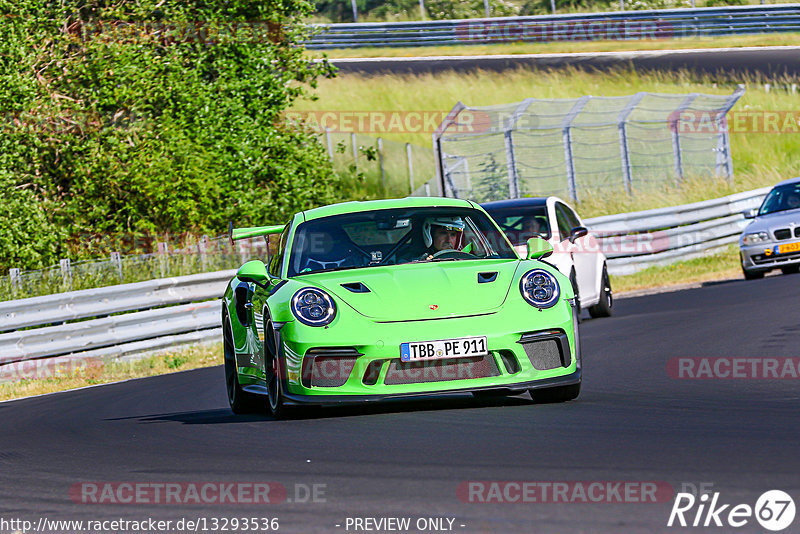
(463, 347)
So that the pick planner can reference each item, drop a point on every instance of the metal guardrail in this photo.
(177, 311)
(74, 305)
(619, 25)
(634, 241)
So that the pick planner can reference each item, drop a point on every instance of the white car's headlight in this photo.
(752, 239)
(539, 288)
(313, 307)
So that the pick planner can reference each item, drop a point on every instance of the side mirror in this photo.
(577, 233)
(538, 248)
(253, 271)
(751, 213)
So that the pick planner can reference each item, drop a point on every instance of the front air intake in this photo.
(547, 350)
(328, 367)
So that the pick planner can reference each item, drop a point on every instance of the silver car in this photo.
(772, 240)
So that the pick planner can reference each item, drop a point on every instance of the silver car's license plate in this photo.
(462, 347)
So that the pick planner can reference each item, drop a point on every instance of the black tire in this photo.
(603, 308)
(241, 402)
(753, 275)
(276, 402)
(790, 269)
(556, 394)
(573, 279)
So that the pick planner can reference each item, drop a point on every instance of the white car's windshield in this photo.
(394, 236)
(522, 223)
(781, 198)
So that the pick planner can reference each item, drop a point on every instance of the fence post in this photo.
(330, 143)
(202, 248)
(410, 166)
(163, 259)
(422, 9)
(13, 277)
(355, 151)
(513, 181)
(724, 160)
(66, 272)
(675, 129)
(380, 164)
(116, 261)
(566, 134)
(355, 10)
(511, 159)
(622, 121)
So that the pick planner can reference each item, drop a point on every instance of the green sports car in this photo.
(365, 301)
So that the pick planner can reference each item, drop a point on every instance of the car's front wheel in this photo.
(276, 402)
(752, 275)
(240, 401)
(603, 308)
(555, 394)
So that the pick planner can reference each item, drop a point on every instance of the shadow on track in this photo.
(225, 416)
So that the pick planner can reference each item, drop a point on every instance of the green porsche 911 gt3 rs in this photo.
(365, 301)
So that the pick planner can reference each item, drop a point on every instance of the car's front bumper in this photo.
(529, 349)
(763, 257)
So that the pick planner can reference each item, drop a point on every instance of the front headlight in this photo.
(313, 307)
(752, 239)
(539, 288)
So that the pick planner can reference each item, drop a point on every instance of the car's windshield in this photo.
(522, 223)
(781, 198)
(394, 236)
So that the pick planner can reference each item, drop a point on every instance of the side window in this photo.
(564, 224)
(277, 259)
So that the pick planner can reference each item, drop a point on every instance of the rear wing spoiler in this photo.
(234, 234)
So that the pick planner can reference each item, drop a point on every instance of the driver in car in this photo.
(441, 234)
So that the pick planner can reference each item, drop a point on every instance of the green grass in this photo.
(718, 266)
(563, 47)
(759, 159)
(65, 376)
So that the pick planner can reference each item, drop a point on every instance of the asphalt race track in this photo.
(768, 61)
(632, 423)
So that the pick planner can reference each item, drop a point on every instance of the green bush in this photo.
(144, 116)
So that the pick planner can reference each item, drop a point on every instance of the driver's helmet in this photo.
(449, 223)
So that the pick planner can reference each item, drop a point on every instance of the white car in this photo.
(576, 252)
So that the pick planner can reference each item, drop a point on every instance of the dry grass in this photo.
(61, 375)
(718, 266)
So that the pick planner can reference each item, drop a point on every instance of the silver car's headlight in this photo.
(313, 307)
(539, 288)
(752, 239)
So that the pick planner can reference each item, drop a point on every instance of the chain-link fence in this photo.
(572, 147)
(203, 255)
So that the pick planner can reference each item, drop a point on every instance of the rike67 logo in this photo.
(774, 510)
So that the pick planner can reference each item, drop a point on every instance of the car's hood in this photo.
(417, 291)
(772, 221)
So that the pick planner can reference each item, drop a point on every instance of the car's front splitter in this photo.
(520, 387)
